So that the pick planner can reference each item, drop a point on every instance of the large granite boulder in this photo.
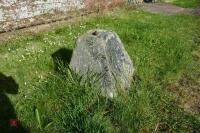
(101, 53)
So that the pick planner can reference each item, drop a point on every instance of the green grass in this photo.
(184, 3)
(49, 101)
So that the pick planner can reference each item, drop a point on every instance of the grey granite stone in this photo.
(101, 53)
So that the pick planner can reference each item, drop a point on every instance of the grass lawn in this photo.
(161, 48)
(184, 3)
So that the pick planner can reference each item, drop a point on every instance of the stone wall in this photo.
(21, 13)
(16, 14)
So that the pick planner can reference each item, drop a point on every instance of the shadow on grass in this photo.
(62, 57)
(8, 118)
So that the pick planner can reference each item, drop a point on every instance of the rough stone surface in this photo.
(14, 13)
(101, 52)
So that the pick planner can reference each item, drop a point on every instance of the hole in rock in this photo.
(95, 33)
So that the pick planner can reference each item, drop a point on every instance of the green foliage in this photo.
(37, 115)
(161, 49)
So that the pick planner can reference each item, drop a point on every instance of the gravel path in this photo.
(168, 9)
